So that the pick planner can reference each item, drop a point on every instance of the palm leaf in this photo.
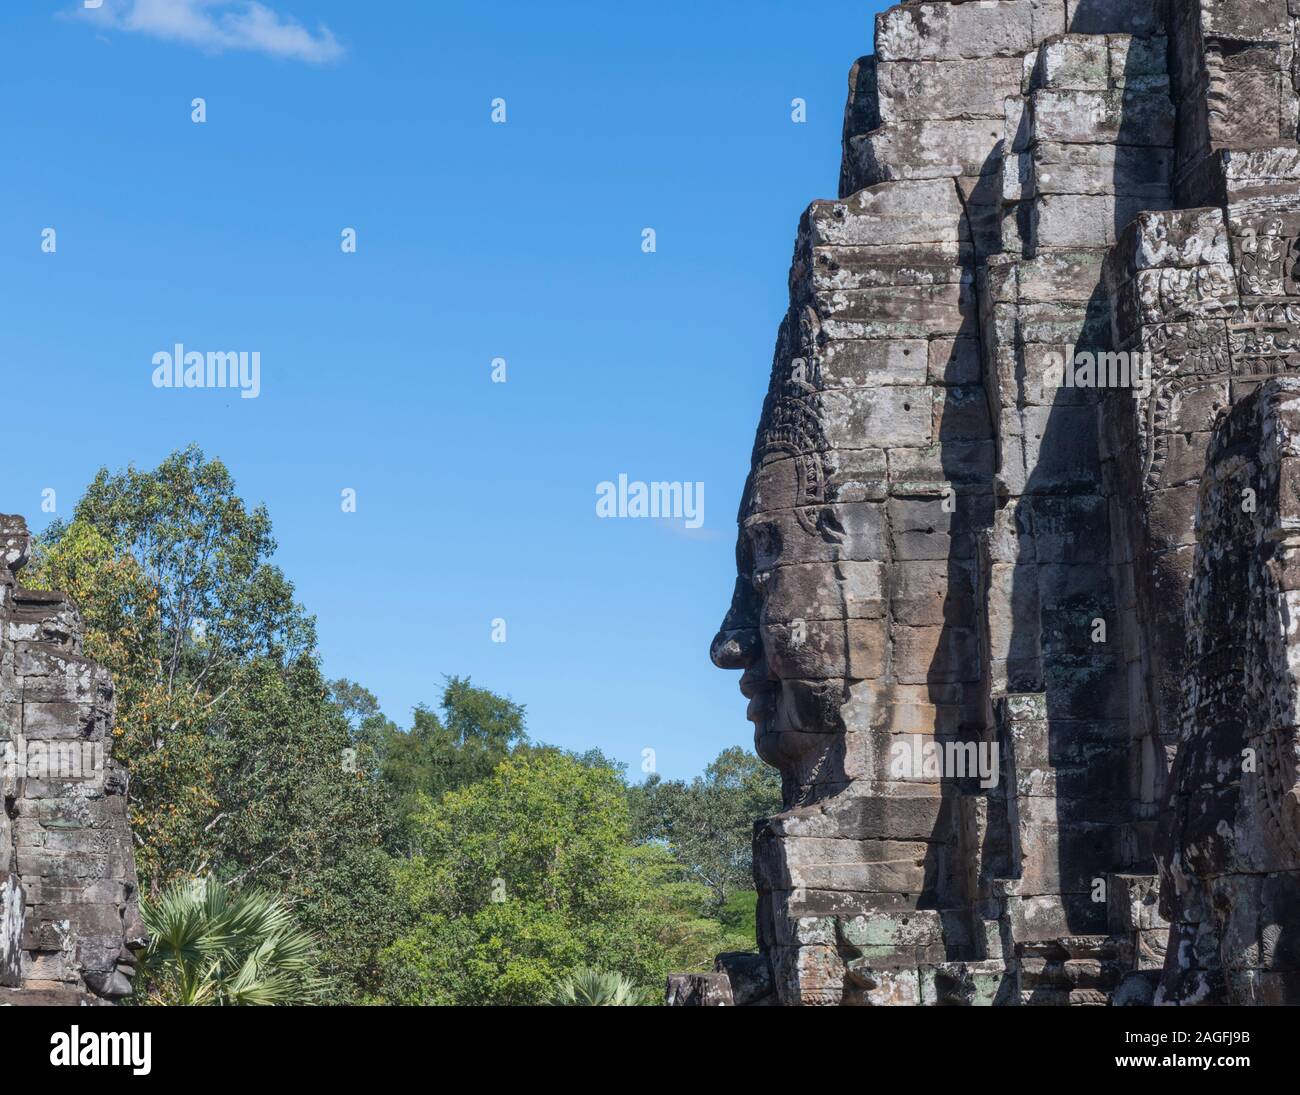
(209, 945)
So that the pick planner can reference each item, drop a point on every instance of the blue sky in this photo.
(476, 241)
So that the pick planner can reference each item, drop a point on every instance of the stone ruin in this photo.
(1019, 589)
(69, 922)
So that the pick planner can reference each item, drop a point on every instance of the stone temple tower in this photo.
(1016, 602)
(69, 922)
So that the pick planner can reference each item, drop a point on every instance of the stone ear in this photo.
(828, 524)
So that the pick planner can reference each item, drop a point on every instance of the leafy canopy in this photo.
(708, 822)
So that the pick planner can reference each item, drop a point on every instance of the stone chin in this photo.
(799, 730)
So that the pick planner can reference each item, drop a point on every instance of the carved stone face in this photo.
(787, 629)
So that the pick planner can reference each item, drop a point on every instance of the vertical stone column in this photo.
(1067, 241)
(1088, 144)
(856, 616)
(68, 912)
(1234, 81)
(1231, 879)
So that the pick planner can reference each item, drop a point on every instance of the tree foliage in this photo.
(451, 862)
(220, 601)
(240, 764)
(524, 878)
(461, 743)
(708, 822)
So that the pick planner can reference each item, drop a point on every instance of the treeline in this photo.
(452, 861)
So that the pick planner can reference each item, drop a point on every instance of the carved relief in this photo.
(874, 601)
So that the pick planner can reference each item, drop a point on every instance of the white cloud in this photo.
(217, 25)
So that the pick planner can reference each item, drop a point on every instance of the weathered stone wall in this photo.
(954, 541)
(68, 912)
(1231, 866)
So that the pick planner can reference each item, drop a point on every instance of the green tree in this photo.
(159, 731)
(220, 600)
(172, 575)
(683, 921)
(523, 879)
(709, 822)
(458, 745)
(241, 765)
(302, 816)
(451, 863)
(358, 705)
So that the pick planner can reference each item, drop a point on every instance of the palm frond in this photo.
(596, 988)
(211, 946)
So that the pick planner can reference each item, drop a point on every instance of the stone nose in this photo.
(736, 644)
(735, 648)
